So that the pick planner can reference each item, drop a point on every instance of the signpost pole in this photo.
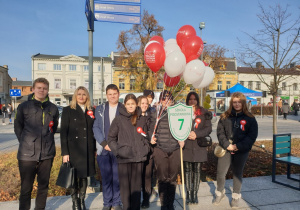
(91, 30)
(182, 178)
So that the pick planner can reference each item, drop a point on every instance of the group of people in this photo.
(129, 144)
(6, 111)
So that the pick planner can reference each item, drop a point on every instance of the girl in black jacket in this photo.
(131, 149)
(193, 154)
(237, 131)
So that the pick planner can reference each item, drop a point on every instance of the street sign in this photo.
(117, 18)
(118, 8)
(124, 1)
(15, 92)
(89, 15)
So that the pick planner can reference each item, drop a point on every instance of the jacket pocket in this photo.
(125, 152)
(27, 147)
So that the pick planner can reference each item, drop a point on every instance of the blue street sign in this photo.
(118, 8)
(124, 1)
(117, 18)
(15, 92)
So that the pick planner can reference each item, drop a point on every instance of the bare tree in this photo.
(275, 46)
(131, 44)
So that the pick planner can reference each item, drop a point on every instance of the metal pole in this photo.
(201, 89)
(91, 30)
(102, 80)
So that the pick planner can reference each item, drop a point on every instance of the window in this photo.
(124, 62)
(258, 86)
(132, 83)
(160, 85)
(99, 68)
(72, 67)
(86, 84)
(57, 83)
(242, 83)
(57, 67)
(121, 84)
(73, 84)
(85, 68)
(219, 85)
(295, 86)
(41, 66)
(283, 86)
(250, 85)
(228, 85)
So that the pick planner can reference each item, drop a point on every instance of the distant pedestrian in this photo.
(4, 112)
(249, 105)
(295, 107)
(285, 110)
(9, 112)
(237, 131)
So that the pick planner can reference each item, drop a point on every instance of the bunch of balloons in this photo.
(180, 58)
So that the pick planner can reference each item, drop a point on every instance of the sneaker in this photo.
(145, 204)
(219, 196)
(117, 207)
(106, 208)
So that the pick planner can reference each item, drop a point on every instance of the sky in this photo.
(59, 27)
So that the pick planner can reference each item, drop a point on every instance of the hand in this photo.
(192, 136)
(231, 147)
(153, 140)
(66, 158)
(236, 149)
(107, 148)
(181, 143)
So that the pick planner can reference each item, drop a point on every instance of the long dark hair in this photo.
(134, 115)
(245, 110)
(197, 99)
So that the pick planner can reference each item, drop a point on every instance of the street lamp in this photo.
(201, 26)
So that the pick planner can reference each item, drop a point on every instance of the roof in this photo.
(240, 88)
(249, 70)
(21, 83)
(58, 57)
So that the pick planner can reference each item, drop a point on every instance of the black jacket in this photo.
(77, 140)
(192, 152)
(125, 142)
(231, 128)
(31, 127)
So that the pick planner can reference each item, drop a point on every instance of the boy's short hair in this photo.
(148, 93)
(41, 80)
(112, 87)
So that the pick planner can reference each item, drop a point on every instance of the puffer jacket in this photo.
(31, 127)
(243, 136)
(125, 142)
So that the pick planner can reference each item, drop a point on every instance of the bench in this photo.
(282, 145)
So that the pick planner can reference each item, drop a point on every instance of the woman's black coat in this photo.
(77, 140)
(125, 142)
(243, 138)
(192, 152)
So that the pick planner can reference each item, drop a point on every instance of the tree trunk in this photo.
(274, 115)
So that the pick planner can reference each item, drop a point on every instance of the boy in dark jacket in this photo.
(35, 124)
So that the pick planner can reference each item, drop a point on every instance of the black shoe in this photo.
(117, 207)
(145, 204)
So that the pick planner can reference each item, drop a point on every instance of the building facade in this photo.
(66, 73)
(5, 85)
(24, 86)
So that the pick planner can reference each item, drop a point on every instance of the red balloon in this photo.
(206, 64)
(155, 56)
(192, 48)
(171, 81)
(158, 39)
(183, 33)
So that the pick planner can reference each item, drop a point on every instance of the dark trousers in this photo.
(110, 180)
(147, 179)
(130, 176)
(284, 115)
(28, 171)
(237, 162)
(167, 168)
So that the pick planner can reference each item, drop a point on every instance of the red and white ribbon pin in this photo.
(91, 114)
(140, 130)
(243, 123)
(197, 122)
(51, 123)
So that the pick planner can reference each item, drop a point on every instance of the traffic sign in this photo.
(117, 18)
(89, 14)
(15, 92)
(117, 8)
(124, 1)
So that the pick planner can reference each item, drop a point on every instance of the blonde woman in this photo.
(78, 145)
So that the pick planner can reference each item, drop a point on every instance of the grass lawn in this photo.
(259, 164)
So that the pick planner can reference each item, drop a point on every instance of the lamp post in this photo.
(201, 26)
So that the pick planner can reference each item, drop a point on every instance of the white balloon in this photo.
(170, 41)
(175, 63)
(171, 48)
(150, 43)
(208, 77)
(194, 71)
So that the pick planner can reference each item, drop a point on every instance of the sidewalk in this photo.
(257, 193)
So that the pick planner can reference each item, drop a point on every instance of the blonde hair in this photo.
(243, 100)
(87, 104)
